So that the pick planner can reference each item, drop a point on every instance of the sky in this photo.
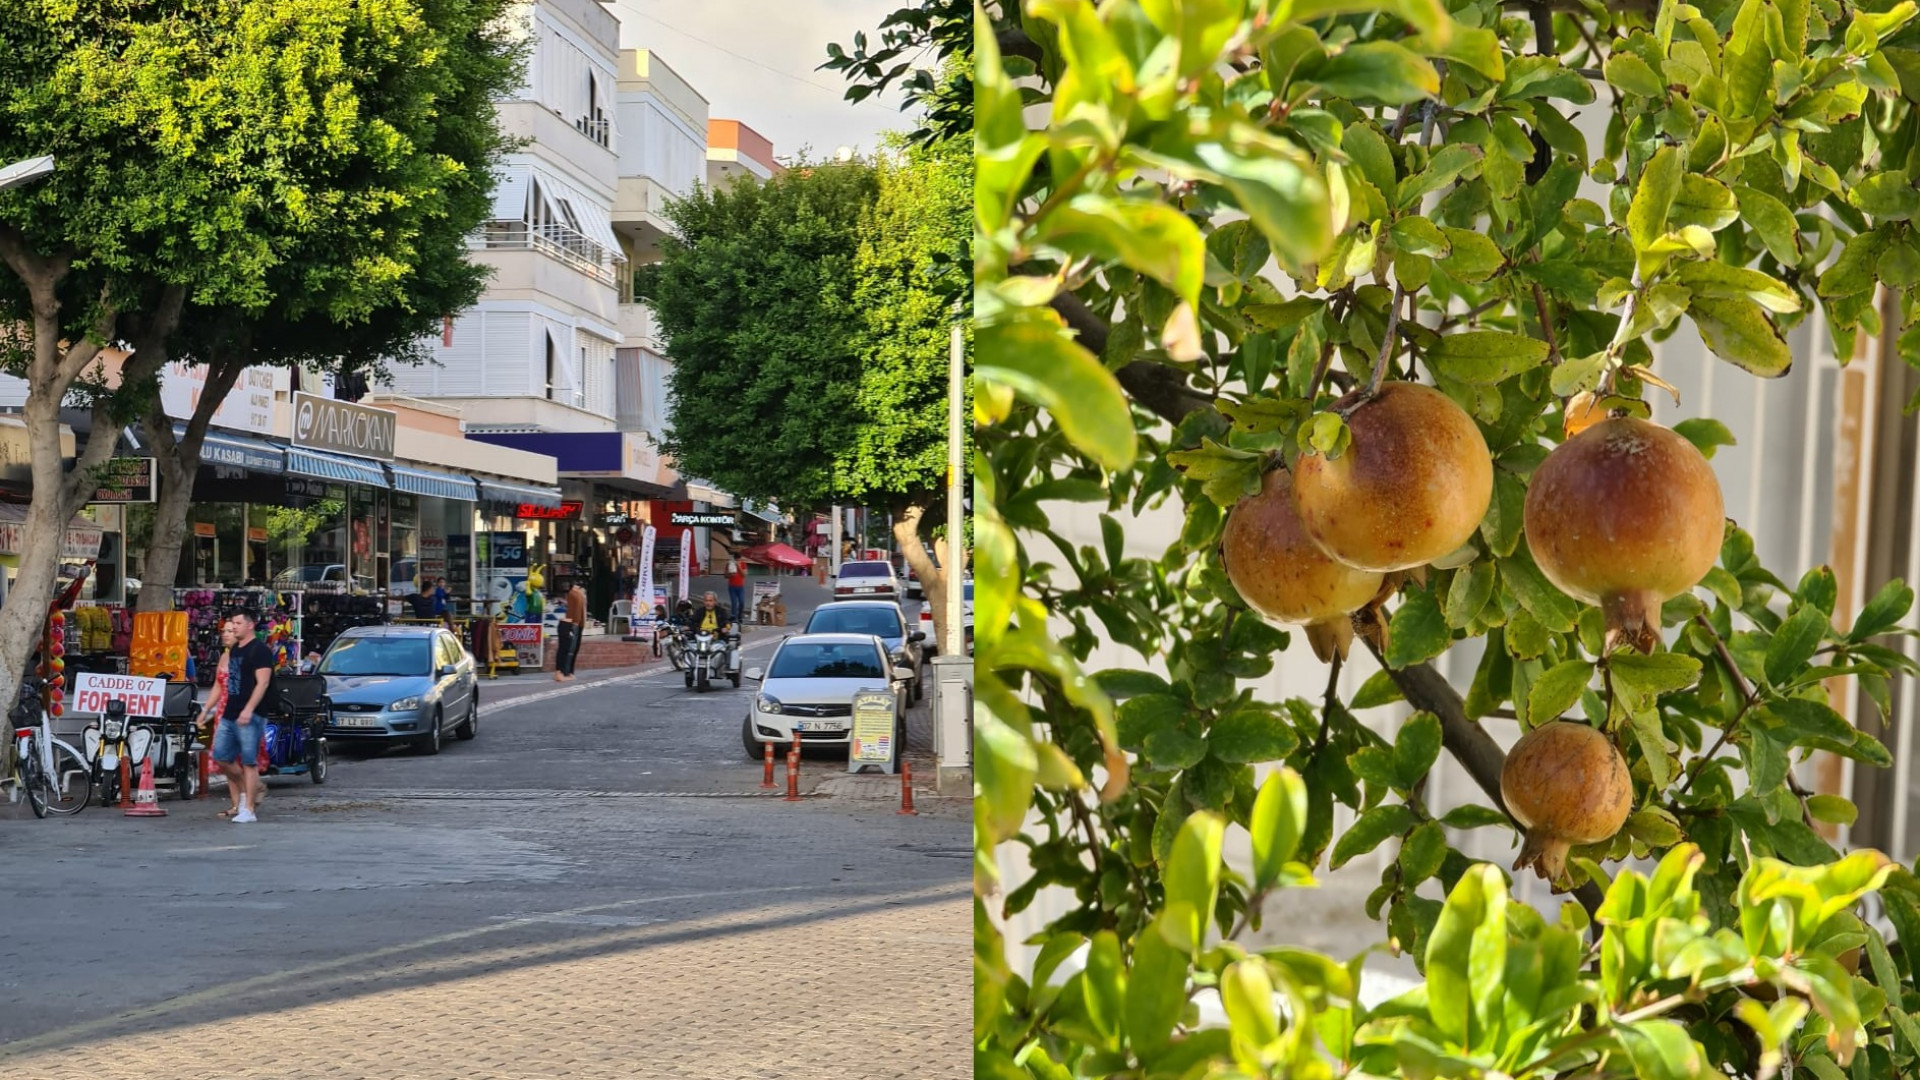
(754, 60)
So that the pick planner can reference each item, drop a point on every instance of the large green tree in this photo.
(415, 153)
(1211, 238)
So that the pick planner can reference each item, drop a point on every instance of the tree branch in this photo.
(1159, 389)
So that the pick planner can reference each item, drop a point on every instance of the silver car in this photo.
(408, 684)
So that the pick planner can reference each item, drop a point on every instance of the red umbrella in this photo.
(777, 555)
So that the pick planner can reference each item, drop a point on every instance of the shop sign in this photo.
(256, 534)
(873, 712)
(203, 528)
(247, 407)
(143, 697)
(310, 488)
(520, 635)
(710, 519)
(616, 519)
(125, 480)
(322, 423)
(566, 511)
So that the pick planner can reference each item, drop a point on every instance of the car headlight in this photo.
(405, 704)
(768, 704)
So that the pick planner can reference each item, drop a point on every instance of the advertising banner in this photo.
(686, 563)
(642, 604)
(144, 697)
(873, 743)
(125, 480)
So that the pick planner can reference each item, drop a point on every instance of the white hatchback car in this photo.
(809, 685)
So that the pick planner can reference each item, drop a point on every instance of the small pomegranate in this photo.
(1566, 783)
(1582, 412)
(1284, 577)
(1411, 488)
(1625, 515)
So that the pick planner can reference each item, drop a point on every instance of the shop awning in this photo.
(766, 512)
(501, 493)
(440, 485)
(777, 555)
(339, 467)
(237, 451)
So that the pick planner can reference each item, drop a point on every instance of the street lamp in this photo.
(25, 171)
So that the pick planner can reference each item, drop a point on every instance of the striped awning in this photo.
(237, 451)
(440, 485)
(501, 493)
(325, 466)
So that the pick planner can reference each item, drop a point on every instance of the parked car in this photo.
(866, 578)
(296, 576)
(966, 619)
(408, 684)
(808, 686)
(884, 620)
(915, 589)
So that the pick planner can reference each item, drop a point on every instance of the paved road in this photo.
(594, 887)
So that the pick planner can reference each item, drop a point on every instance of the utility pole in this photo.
(956, 643)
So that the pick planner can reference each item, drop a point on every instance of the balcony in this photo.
(599, 129)
(638, 327)
(639, 213)
(556, 241)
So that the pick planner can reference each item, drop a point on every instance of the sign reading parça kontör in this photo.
(711, 518)
(321, 423)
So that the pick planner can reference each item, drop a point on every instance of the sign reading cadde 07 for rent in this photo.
(144, 697)
(322, 423)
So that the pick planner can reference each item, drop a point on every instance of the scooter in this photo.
(110, 740)
(712, 657)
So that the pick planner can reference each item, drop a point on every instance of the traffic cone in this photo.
(145, 802)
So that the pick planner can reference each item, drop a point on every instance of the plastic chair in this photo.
(620, 619)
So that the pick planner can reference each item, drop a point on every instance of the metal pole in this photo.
(956, 642)
(833, 544)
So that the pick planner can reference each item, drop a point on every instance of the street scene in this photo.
(485, 565)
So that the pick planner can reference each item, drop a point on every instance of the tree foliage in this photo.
(928, 51)
(1234, 212)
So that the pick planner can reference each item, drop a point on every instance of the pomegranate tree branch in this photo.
(1159, 389)
(1748, 700)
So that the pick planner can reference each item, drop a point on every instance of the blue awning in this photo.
(501, 493)
(440, 485)
(337, 467)
(237, 451)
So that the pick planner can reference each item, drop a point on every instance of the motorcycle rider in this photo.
(711, 616)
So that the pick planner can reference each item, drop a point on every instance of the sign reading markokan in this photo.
(322, 423)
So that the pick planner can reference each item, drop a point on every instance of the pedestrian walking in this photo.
(247, 671)
(737, 589)
(572, 626)
(209, 718)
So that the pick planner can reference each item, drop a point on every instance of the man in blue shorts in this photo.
(236, 743)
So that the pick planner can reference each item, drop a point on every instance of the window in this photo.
(827, 662)
(377, 656)
(856, 620)
(864, 570)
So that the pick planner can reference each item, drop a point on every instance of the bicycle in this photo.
(53, 775)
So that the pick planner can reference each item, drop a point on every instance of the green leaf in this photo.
(1427, 16)
(1832, 809)
(1151, 237)
(1583, 373)
(1174, 748)
(1420, 236)
(1653, 198)
(1769, 218)
(1192, 876)
(1888, 196)
(1717, 280)
(1883, 612)
(1416, 747)
(1662, 1050)
(1272, 180)
(1705, 433)
(1630, 73)
(1653, 674)
(1655, 826)
(1145, 713)
(1157, 984)
(1422, 853)
(1368, 149)
(1443, 168)
(1368, 831)
(1033, 356)
(1468, 594)
(1853, 272)
(1795, 642)
(1461, 970)
(1474, 257)
(1556, 690)
(1555, 609)
(1476, 47)
(1473, 816)
(1417, 632)
(1226, 474)
(1326, 434)
(1485, 357)
(1279, 818)
(1739, 332)
(1246, 992)
(1378, 690)
(1250, 733)
(1381, 71)
(1007, 768)
(1703, 202)
(1794, 720)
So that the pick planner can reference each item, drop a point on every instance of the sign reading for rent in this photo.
(144, 697)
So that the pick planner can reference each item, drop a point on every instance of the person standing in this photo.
(440, 598)
(210, 711)
(236, 744)
(737, 590)
(572, 626)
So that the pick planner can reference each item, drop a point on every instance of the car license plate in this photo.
(868, 588)
(356, 721)
(818, 725)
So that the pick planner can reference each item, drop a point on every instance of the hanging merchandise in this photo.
(159, 644)
(327, 615)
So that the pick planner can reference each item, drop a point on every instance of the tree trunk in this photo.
(933, 581)
(179, 465)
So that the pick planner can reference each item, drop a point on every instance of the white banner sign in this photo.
(643, 593)
(247, 407)
(144, 697)
(686, 562)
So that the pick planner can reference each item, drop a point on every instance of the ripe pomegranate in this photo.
(1566, 783)
(1625, 515)
(1284, 577)
(1411, 488)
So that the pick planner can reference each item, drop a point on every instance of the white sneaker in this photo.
(243, 817)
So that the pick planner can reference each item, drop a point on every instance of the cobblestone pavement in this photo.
(594, 887)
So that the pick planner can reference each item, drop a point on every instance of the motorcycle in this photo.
(676, 646)
(711, 657)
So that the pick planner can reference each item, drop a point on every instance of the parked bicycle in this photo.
(52, 774)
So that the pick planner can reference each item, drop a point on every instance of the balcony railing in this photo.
(558, 241)
(598, 129)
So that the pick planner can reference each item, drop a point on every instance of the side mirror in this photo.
(903, 674)
(448, 669)
(756, 674)
(917, 636)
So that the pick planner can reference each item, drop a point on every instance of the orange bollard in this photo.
(796, 740)
(206, 773)
(126, 785)
(766, 779)
(906, 788)
(793, 777)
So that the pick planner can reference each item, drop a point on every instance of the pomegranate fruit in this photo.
(1567, 785)
(1411, 487)
(1283, 576)
(1625, 515)
(1582, 412)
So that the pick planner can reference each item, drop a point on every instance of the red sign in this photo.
(520, 634)
(566, 511)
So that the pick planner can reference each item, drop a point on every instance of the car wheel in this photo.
(429, 743)
(472, 727)
(755, 748)
(186, 778)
